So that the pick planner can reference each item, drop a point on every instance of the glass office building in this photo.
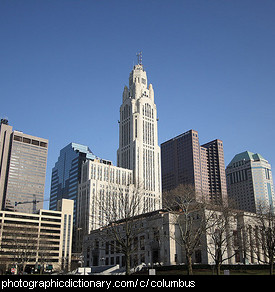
(66, 173)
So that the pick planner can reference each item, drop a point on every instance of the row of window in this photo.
(110, 174)
(30, 141)
(237, 176)
(148, 133)
(149, 169)
(147, 111)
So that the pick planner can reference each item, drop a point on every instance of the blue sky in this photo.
(64, 63)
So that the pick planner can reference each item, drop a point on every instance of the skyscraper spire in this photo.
(139, 58)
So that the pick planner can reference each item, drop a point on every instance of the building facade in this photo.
(23, 164)
(185, 161)
(43, 239)
(99, 195)
(157, 241)
(138, 136)
(212, 158)
(250, 182)
(66, 174)
(151, 240)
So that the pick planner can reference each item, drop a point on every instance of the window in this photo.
(17, 138)
(27, 140)
(198, 256)
(136, 128)
(107, 248)
(43, 144)
(267, 175)
(142, 242)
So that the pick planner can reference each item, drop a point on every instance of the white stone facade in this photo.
(100, 184)
(138, 137)
(157, 241)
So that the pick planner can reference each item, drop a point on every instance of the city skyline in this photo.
(211, 64)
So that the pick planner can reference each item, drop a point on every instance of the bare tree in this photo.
(4, 258)
(24, 245)
(262, 237)
(189, 218)
(44, 252)
(222, 234)
(120, 213)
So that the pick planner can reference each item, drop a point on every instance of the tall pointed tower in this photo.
(138, 137)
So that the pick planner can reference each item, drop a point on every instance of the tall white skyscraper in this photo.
(138, 137)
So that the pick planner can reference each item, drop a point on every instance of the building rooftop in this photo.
(246, 156)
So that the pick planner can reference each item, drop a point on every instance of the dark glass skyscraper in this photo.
(185, 161)
(66, 173)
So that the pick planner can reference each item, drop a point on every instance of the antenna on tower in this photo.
(5, 121)
(139, 58)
